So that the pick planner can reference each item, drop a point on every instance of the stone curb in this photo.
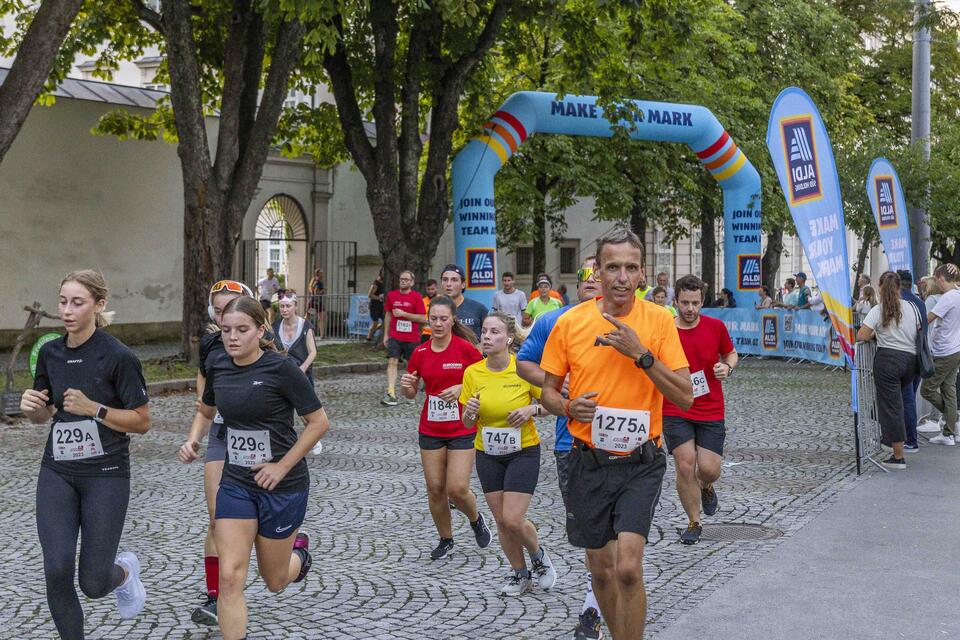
(189, 384)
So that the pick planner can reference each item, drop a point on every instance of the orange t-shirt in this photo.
(425, 329)
(618, 381)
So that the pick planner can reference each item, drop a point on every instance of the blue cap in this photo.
(800, 274)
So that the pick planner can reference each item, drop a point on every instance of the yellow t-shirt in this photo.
(500, 393)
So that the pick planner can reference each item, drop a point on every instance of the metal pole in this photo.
(920, 132)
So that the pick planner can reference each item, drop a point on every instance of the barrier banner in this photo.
(358, 320)
(783, 333)
(803, 157)
(890, 214)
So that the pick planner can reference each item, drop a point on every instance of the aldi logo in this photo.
(800, 153)
(748, 270)
(770, 333)
(886, 204)
(482, 268)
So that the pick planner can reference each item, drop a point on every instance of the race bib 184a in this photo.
(620, 430)
(248, 448)
(76, 440)
(439, 410)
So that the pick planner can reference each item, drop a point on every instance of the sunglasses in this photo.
(227, 285)
(289, 295)
(584, 274)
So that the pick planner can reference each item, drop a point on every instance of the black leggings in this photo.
(65, 506)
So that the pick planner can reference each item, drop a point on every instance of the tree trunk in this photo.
(708, 251)
(31, 68)
(865, 244)
(638, 224)
(771, 259)
(539, 242)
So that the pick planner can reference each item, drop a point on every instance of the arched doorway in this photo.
(280, 243)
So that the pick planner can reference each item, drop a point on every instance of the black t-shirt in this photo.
(209, 343)
(108, 373)
(260, 397)
(471, 313)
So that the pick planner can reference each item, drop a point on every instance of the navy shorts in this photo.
(216, 446)
(279, 514)
(457, 443)
(517, 472)
(706, 434)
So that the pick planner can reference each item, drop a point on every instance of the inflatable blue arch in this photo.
(527, 113)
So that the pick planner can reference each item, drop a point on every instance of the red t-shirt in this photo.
(703, 345)
(411, 302)
(439, 371)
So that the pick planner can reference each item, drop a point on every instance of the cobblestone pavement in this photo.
(789, 454)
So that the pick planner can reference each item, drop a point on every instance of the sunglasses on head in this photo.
(227, 285)
(584, 274)
(288, 295)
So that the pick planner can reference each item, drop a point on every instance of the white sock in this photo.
(590, 600)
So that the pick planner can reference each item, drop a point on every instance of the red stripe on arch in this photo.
(716, 146)
(513, 122)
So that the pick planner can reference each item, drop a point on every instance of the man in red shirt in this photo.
(695, 437)
(403, 314)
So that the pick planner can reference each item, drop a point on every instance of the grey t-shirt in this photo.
(901, 337)
(510, 303)
(471, 313)
(945, 331)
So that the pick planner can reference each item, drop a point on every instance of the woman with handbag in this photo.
(895, 324)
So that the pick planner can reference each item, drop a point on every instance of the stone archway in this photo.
(281, 242)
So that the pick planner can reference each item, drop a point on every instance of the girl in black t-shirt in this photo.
(92, 386)
(220, 294)
(262, 498)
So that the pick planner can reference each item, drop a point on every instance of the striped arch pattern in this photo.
(527, 113)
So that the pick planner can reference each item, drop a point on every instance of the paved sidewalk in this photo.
(878, 563)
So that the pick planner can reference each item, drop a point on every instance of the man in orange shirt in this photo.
(623, 356)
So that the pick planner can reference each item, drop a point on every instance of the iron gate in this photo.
(338, 259)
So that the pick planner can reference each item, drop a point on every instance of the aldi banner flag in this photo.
(802, 155)
(890, 213)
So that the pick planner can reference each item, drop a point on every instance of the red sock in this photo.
(211, 567)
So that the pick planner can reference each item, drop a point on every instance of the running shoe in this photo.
(911, 448)
(708, 496)
(389, 401)
(207, 612)
(897, 464)
(481, 531)
(543, 570)
(588, 627)
(131, 595)
(515, 585)
(691, 535)
(942, 439)
(443, 549)
(301, 545)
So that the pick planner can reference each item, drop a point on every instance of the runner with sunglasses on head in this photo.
(528, 367)
(501, 406)
(220, 294)
(294, 335)
(91, 386)
(446, 444)
(262, 499)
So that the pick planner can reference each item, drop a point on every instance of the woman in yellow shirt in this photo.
(502, 406)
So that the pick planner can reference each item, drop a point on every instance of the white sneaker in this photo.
(944, 440)
(543, 570)
(317, 448)
(928, 426)
(131, 595)
(515, 585)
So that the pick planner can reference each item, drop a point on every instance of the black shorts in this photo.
(397, 349)
(457, 443)
(707, 434)
(376, 311)
(266, 304)
(517, 472)
(602, 502)
(563, 472)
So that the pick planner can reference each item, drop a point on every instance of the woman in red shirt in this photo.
(446, 445)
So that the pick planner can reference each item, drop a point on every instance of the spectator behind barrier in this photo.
(764, 301)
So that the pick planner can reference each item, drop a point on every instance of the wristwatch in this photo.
(645, 361)
(101, 413)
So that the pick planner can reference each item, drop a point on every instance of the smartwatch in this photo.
(645, 361)
(101, 413)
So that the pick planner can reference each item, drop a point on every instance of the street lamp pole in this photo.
(920, 132)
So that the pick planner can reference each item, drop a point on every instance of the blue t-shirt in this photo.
(532, 351)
